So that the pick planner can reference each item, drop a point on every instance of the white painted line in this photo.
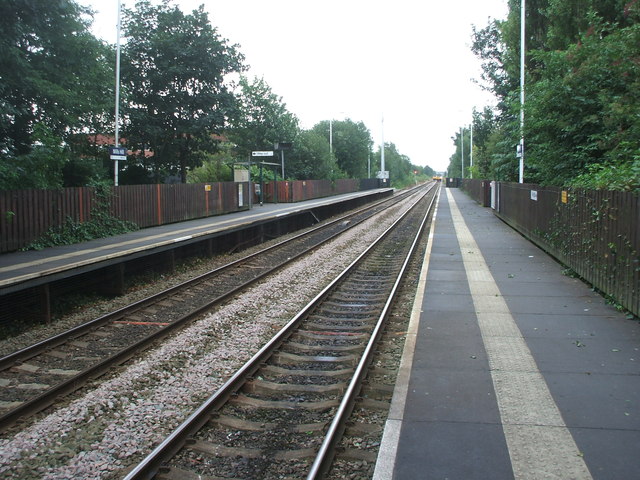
(388, 450)
(182, 239)
(540, 444)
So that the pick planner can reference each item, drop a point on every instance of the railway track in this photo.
(282, 414)
(35, 377)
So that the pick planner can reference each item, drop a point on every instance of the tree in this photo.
(54, 74)
(398, 165)
(596, 82)
(582, 79)
(351, 145)
(173, 78)
(310, 158)
(262, 119)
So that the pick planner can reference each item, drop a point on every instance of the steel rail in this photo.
(75, 382)
(324, 458)
(52, 342)
(150, 465)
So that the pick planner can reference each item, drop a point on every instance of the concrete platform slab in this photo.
(540, 379)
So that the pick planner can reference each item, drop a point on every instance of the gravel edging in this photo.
(111, 427)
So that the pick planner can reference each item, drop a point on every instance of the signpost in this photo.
(267, 153)
(117, 153)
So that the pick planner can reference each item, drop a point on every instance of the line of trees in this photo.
(582, 108)
(188, 109)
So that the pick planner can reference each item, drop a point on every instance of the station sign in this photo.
(117, 153)
(268, 153)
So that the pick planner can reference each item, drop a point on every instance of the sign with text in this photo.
(262, 154)
(117, 153)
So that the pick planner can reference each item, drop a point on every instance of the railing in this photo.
(594, 233)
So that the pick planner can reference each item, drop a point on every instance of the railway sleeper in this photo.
(226, 421)
(285, 358)
(274, 370)
(320, 406)
(174, 473)
(302, 347)
(222, 451)
(267, 387)
(345, 329)
(324, 335)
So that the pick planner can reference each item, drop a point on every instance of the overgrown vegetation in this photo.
(582, 108)
(101, 225)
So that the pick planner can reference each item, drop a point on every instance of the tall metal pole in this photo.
(471, 148)
(382, 151)
(117, 113)
(462, 150)
(282, 161)
(522, 59)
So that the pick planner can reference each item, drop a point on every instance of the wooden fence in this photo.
(594, 233)
(26, 214)
(301, 190)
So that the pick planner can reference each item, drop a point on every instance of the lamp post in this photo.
(522, 59)
(117, 110)
(471, 148)
(331, 139)
(462, 151)
(382, 166)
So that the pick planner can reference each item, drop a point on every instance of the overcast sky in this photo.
(405, 60)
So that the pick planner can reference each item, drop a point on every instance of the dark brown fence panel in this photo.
(347, 185)
(135, 203)
(301, 190)
(479, 190)
(595, 233)
(27, 214)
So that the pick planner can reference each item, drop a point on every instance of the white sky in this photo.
(407, 60)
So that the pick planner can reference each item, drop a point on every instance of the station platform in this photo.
(511, 370)
(20, 270)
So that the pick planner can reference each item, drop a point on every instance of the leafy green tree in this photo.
(215, 167)
(262, 119)
(398, 165)
(581, 79)
(310, 158)
(351, 145)
(54, 74)
(596, 82)
(41, 167)
(173, 77)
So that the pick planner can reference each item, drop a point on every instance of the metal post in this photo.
(522, 59)
(261, 185)
(117, 112)
(462, 149)
(382, 151)
(471, 149)
(331, 139)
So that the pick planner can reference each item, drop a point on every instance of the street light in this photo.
(117, 112)
(462, 150)
(522, 59)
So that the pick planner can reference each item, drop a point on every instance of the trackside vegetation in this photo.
(582, 107)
